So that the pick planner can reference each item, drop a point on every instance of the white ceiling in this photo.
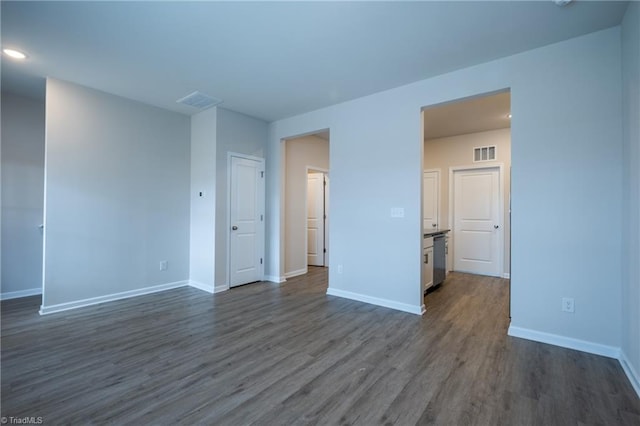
(274, 59)
(477, 114)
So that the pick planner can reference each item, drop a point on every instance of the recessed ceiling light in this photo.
(15, 54)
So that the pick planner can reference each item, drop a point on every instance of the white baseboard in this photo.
(631, 373)
(412, 309)
(506, 275)
(565, 342)
(21, 293)
(201, 286)
(296, 273)
(274, 279)
(220, 288)
(44, 310)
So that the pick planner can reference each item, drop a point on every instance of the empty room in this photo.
(321, 212)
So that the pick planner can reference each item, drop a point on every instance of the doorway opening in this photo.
(306, 208)
(467, 145)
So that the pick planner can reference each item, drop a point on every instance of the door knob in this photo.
(433, 225)
(234, 228)
(495, 227)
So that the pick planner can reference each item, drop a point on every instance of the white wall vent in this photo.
(484, 153)
(199, 100)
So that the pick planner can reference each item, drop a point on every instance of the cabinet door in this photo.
(427, 267)
(430, 200)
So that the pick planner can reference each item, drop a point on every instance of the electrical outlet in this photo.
(567, 304)
(339, 269)
(164, 265)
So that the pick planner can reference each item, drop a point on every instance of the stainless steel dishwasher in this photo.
(439, 259)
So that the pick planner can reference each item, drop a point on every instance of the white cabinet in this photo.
(427, 263)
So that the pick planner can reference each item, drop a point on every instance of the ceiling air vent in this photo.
(199, 100)
(484, 153)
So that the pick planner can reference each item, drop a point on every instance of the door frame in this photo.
(438, 173)
(325, 172)
(452, 243)
(261, 201)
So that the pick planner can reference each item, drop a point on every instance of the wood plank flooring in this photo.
(269, 354)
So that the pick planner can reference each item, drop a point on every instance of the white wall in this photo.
(566, 100)
(241, 134)
(22, 194)
(203, 199)
(376, 162)
(116, 196)
(566, 179)
(631, 195)
(301, 153)
(454, 151)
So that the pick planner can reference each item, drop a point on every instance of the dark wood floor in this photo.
(288, 354)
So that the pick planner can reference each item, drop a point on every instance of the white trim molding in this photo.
(220, 288)
(506, 275)
(631, 373)
(211, 289)
(581, 345)
(20, 293)
(296, 273)
(404, 307)
(565, 342)
(44, 310)
(201, 286)
(274, 279)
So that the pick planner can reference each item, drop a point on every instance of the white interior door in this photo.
(246, 218)
(430, 200)
(476, 229)
(315, 219)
